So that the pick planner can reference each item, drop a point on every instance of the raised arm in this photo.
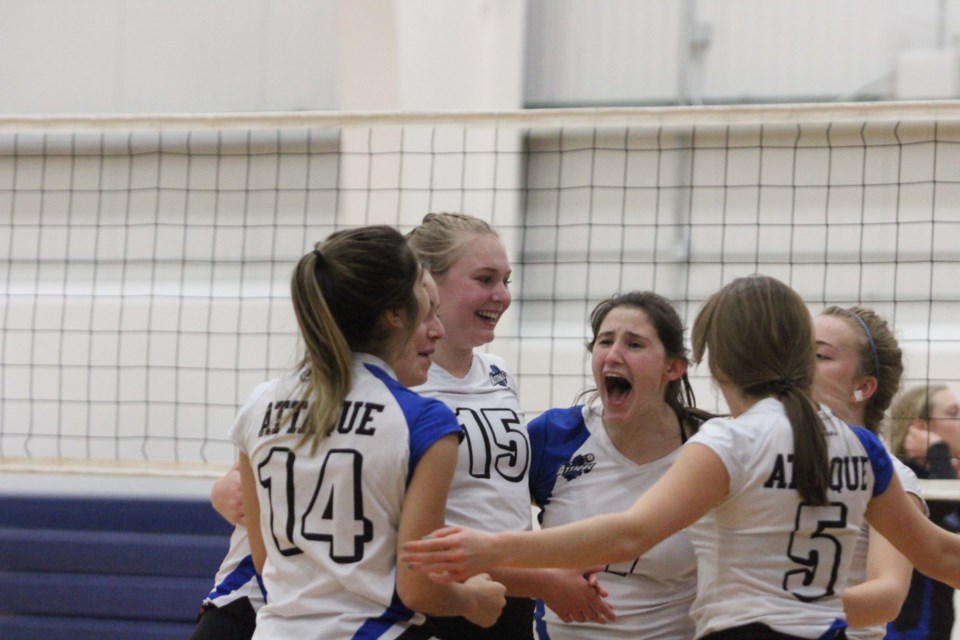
(693, 485)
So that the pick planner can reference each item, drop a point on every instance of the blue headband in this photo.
(873, 345)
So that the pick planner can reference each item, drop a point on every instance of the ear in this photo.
(676, 367)
(394, 319)
(867, 387)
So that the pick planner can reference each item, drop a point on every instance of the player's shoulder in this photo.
(413, 405)
(559, 418)
(558, 424)
(746, 437)
(267, 390)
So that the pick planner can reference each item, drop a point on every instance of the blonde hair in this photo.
(914, 404)
(439, 238)
(760, 336)
(341, 291)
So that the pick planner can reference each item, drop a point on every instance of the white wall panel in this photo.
(634, 52)
(108, 56)
(579, 50)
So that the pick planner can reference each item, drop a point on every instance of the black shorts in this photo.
(514, 623)
(234, 621)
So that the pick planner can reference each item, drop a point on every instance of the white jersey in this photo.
(329, 518)
(858, 568)
(489, 489)
(577, 472)
(237, 578)
(762, 554)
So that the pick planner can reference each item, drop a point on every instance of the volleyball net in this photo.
(145, 261)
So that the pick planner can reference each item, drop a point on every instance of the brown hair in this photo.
(914, 404)
(341, 291)
(880, 357)
(760, 337)
(440, 237)
(669, 327)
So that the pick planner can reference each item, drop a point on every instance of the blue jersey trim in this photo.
(375, 627)
(428, 419)
(539, 611)
(244, 573)
(879, 459)
(554, 437)
(922, 628)
(834, 630)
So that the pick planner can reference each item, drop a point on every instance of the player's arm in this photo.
(226, 496)
(575, 595)
(934, 551)
(479, 599)
(698, 475)
(252, 504)
(879, 598)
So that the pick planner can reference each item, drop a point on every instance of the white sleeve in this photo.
(242, 431)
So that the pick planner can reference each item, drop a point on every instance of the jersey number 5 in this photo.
(816, 549)
(334, 513)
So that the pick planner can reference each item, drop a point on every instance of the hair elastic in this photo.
(784, 384)
(873, 345)
(319, 256)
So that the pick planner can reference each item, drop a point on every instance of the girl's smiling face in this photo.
(475, 292)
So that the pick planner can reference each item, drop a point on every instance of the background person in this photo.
(925, 434)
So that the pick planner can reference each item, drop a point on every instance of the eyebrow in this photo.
(630, 334)
(486, 269)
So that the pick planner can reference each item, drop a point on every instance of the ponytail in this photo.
(341, 292)
(774, 357)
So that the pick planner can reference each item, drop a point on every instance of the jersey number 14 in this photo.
(334, 513)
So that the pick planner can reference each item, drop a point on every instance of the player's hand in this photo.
(491, 598)
(918, 441)
(226, 496)
(577, 596)
(451, 554)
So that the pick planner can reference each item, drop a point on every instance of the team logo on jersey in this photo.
(497, 376)
(578, 466)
